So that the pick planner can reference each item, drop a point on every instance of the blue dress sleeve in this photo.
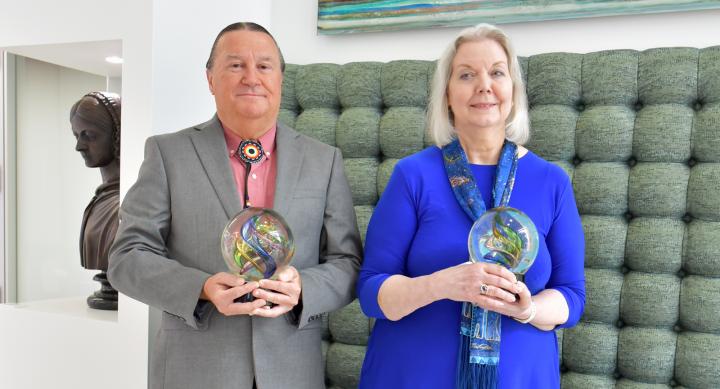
(388, 239)
(566, 244)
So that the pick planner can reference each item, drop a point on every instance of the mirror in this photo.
(45, 180)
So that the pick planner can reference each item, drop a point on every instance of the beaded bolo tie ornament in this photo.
(249, 152)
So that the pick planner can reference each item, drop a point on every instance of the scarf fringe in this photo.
(473, 375)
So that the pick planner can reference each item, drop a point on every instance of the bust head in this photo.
(95, 121)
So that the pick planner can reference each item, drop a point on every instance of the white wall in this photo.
(181, 95)
(65, 345)
(294, 26)
(53, 184)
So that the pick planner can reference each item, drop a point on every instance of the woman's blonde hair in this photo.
(439, 117)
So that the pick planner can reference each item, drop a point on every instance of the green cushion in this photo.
(348, 325)
(696, 363)
(405, 83)
(316, 86)
(668, 75)
(318, 123)
(650, 300)
(654, 245)
(591, 348)
(362, 177)
(602, 292)
(359, 85)
(658, 189)
(638, 132)
(574, 380)
(401, 131)
(702, 251)
(554, 78)
(357, 132)
(647, 354)
(700, 305)
(662, 133)
(605, 133)
(552, 126)
(704, 191)
(343, 364)
(604, 241)
(609, 78)
(705, 139)
(601, 188)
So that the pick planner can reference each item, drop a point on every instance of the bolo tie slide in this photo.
(249, 152)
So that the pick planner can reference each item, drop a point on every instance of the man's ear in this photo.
(209, 76)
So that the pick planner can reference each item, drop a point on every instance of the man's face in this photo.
(245, 77)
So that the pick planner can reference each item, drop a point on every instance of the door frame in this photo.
(8, 216)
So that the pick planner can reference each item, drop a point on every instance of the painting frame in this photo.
(354, 16)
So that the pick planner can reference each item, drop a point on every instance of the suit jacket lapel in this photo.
(289, 153)
(210, 146)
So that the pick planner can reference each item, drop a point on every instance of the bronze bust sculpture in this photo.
(95, 121)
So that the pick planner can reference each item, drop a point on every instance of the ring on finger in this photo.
(484, 289)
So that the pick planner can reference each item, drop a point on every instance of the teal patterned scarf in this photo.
(479, 353)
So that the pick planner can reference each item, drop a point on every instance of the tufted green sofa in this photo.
(638, 132)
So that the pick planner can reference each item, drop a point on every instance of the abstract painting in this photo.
(348, 16)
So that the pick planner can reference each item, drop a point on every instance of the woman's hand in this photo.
(489, 286)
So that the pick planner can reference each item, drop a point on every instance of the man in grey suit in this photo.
(167, 253)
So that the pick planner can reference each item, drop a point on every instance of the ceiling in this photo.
(86, 56)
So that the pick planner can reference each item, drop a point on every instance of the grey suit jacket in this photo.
(168, 244)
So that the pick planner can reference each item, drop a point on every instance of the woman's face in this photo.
(94, 142)
(480, 89)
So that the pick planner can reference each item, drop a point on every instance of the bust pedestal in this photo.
(106, 298)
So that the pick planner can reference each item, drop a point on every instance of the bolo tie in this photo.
(249, 152)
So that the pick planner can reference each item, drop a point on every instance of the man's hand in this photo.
(285, 293)
(223, 288)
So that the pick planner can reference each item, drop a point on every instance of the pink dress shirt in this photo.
(261, 181)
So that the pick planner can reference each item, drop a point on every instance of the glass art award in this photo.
(257, 244)
(506, 236)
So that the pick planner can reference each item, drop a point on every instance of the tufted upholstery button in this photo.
(580, 106)
(677, 328)
(680, 273)
(576, 160)
(632, 161)
(625, 270)
(698, 105)
(628, 216)
(638, 106)
(687, 218)
(563, 368)
(617, 375)
(674, 383)
(691, 162)
(619, 324)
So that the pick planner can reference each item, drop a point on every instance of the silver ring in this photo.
(484, 289)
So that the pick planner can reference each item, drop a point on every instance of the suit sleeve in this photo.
(330, 285)
(139, 265)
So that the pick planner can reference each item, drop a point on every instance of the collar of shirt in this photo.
(267, 140)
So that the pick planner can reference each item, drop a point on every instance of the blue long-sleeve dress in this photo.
(419, 228)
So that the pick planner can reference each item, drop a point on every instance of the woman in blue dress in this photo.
(435, 310)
